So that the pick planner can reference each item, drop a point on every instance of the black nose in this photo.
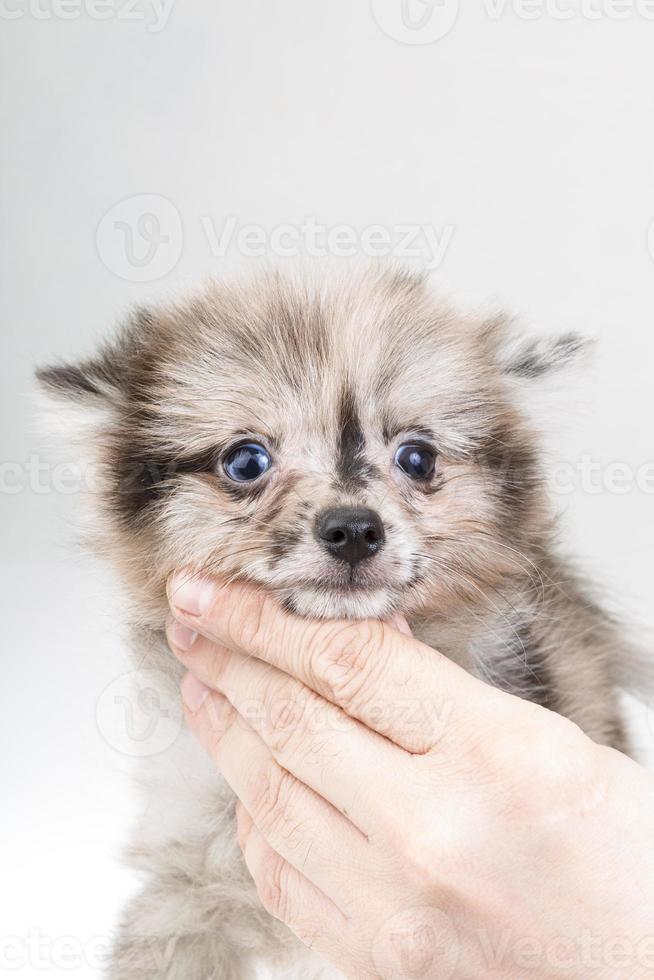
(350, 533)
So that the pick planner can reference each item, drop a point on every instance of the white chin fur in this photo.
(325, 605)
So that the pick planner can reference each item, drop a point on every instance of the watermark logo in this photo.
(154, 13)
(140, 238)
(583, 954)
(43, 952)
(38, 475)
(426, 21)
(417, 944)
(415, 21)
(567, 10)
(313, 238)
(136, 716)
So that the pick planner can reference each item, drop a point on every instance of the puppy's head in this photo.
(355, 447)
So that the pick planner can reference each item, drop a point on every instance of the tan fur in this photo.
(307, 365)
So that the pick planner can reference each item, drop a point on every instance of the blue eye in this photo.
(416, 461)
(247, 462)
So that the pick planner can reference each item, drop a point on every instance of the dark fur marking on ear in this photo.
(122, 366)
(68, 378)
(538, 359)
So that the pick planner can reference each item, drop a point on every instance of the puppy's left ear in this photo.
(528, 358)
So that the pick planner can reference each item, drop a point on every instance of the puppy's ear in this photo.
(87, 383)
(537, 358)
(82, 399)
(77, 400)
(527, 358)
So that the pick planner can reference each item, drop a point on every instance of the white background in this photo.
(531, 140)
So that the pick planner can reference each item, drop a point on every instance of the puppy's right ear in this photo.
(75, 400)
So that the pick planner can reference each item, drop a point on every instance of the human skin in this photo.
(405, 819)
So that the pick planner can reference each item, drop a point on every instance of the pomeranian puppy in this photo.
(358, 448)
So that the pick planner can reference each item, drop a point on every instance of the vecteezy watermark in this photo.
(508, 954)
(318, 240)
(408, 718)
(415, 21)
(140, 238)
(426, 21)
(139, 713)
(153, 13)
(41, 477)
(593, 477)
(41, 951)
(36, 950)
(417, 944)
(566, 10)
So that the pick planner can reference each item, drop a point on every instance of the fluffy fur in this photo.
(331, 377)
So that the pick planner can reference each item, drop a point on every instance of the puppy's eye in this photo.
(416, 461)
(247, 462)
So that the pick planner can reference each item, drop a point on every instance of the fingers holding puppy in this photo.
(333, 754)
(353, 665)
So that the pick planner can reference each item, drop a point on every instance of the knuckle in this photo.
(546, 766)
(271, 795)
(420, 856)
(221, 717)
(282, 741)
(297, 724)
(428, 851)
(411, 835)
(272, 885)
(286, 720)
(307, 931)
(345, 659)
(515, 745)
(246, 623)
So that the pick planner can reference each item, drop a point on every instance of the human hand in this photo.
(405, 819)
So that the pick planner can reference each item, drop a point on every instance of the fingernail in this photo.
(403, 626)
(190, 595)
(181, 637)
(243, 824)
(194, 693)
(398, 622)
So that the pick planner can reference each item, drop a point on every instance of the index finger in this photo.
(391, 682)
